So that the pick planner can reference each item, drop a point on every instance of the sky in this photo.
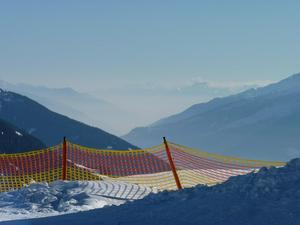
(103, 47)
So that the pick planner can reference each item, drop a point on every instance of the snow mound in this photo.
(60, 197)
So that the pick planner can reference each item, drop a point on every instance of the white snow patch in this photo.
(18, 133)
(62, 197)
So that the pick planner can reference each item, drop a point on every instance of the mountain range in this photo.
(67, 101)
(118, 109)
(261, 123)
(50, 127)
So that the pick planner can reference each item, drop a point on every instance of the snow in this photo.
(18, 133)
(270, 196)
(42, 199)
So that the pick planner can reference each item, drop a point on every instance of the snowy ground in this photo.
(268, 197)
(42, 200)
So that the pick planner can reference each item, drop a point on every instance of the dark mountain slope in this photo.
(51, 127)
(14, 140)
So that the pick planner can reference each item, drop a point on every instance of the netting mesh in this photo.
(17, 170)
(196, 167)
(149, 167)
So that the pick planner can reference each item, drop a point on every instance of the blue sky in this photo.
(91, 44)
(149, 58)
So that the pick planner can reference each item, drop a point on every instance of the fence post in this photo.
(175, 175)
(64, 160)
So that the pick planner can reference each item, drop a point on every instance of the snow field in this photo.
(61, 197)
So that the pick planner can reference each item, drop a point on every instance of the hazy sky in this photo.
(148, 57)
(91, 44)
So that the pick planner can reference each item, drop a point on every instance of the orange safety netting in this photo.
(149, 167)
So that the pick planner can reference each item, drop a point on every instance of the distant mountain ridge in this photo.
(258, 123)
(67, 101)
(118, 109)
(51, 127)
(13, 139)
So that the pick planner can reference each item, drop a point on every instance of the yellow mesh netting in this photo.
(149, 167)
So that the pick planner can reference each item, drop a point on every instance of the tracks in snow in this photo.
(115, 190)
